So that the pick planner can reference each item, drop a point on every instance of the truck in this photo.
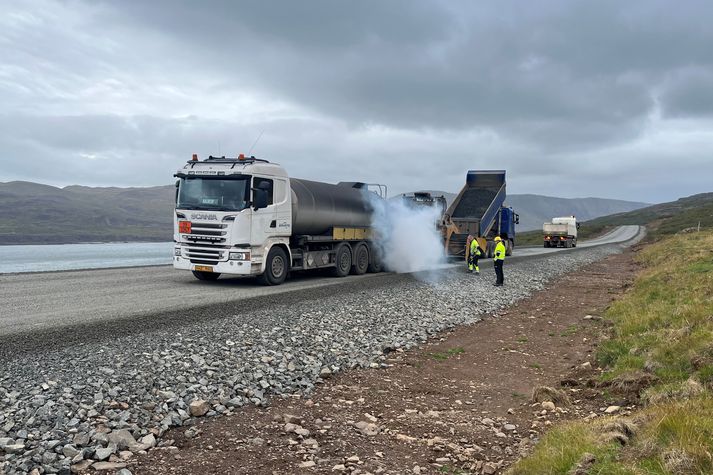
(479, 211)
(246, 216)
(561, 232)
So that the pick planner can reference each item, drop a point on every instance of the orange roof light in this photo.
(195, 157)
(241, 156)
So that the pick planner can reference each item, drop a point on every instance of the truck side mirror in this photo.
(178, 182)
(578, 225)
(259, 198)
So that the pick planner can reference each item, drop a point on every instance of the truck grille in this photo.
(206, 243)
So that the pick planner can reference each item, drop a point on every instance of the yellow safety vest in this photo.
(499, 254)
(474, 248)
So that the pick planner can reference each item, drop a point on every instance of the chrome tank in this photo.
(318, 207)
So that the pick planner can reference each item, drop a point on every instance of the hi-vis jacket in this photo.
(499, 254)
(475, 249)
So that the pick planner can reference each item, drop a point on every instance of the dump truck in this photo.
(479, 211)
(246, 216)
(560, 232)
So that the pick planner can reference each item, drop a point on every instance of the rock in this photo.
(367, 428)
(489, 468)
(612, 409)
(103, 453)
(14, 448)
(416, 470)
(586, 365)
(257, 441)
(122, 438)
(81, 467)
(548, 405)
(124, 471)
(149, 440)
(191, 432)
(199, 408)
(100, 466)
(487, 421)
(310, 442)
(353, 459)
(70, 451)
(509, 427)
(307, 464)
(339, 468)
(405, 438)
(291, 419)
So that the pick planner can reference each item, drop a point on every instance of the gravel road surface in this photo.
(96, 401)
(40, 302)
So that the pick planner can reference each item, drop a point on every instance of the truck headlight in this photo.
(177, 251)
(240, 255)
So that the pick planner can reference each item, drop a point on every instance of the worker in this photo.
(499, 260)
(475, 253)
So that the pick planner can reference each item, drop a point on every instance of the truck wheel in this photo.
(490, 249)
(276, 267)
(361, 259)
(375, 266)
(509, 247)
(200, 275)
(547, 244)
(342, 261)
(574, 243)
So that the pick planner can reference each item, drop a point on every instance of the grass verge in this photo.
(661, 350)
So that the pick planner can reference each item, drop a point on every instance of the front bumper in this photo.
(221, 266)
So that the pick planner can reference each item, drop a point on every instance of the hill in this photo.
(42, 214)
(665, 218)
(536, 209)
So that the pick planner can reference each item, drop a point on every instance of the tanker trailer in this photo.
(246, 217)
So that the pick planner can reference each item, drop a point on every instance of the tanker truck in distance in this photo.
(561, 232)
(247, 217)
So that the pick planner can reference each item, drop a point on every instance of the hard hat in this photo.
(497, 238)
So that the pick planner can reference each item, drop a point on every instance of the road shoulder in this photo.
(458, 404)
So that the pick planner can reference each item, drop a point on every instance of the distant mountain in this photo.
(42, 214)
(536, 209)
(666, 218)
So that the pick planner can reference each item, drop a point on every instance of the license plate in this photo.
(204, 268)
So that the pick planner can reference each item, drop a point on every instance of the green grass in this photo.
(571, 330)
(662, 337)
(442, 356)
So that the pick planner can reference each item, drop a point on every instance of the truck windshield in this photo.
(215, 194)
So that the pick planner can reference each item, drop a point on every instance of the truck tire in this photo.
(360, 262)
(490, 249)
(276, 267)
(375, 264)
(547, 244)
(200, 275)
(342, 261)
(574, 243)
(509, 247)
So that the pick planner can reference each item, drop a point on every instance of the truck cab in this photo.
(229, 214)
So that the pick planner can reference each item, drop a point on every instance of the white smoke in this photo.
(407, 236)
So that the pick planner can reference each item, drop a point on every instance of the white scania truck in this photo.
(246, 217)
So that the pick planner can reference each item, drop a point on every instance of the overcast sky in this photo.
(602, 98)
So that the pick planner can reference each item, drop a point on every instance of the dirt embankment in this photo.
(461, 404)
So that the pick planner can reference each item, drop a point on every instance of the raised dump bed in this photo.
(478, 211)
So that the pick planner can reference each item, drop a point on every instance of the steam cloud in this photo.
(409, 241)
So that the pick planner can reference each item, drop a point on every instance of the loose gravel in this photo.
(98, 404)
